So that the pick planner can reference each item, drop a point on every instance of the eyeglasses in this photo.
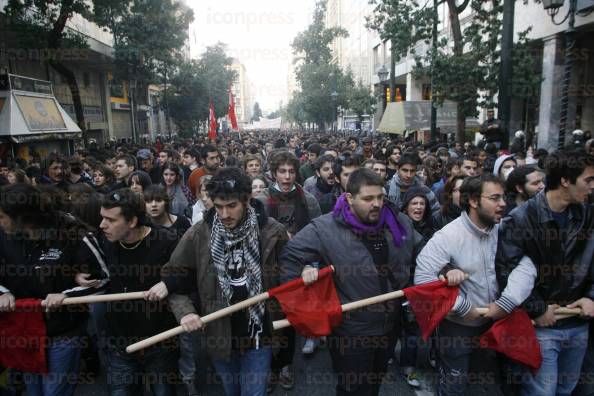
(230, 184)
(494, 198)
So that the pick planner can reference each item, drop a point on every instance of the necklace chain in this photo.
(137, 243)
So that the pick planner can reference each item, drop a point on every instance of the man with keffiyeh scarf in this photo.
(372, 248)
(230, 256)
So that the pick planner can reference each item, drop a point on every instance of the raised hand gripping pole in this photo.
(208, 318)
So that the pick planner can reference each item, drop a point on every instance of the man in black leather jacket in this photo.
(544, 259)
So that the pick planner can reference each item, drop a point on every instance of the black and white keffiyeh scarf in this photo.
(222, 244)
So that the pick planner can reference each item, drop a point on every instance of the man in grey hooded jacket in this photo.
(405, 178)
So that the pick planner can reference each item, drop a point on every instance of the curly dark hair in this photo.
(281, 158)
(229, 183)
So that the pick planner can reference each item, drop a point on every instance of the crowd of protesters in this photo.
(198, 225)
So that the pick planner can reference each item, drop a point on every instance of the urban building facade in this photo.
(241, 89)
(365, 54)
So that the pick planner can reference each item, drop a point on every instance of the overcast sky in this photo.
(259, 33)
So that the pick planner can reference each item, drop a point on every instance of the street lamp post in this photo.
(552, 7)
(334, 96)
(382, 74)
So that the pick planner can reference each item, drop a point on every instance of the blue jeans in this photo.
(127, 373)
(97, 327)
(563, 351)
(63, 361)
(189, 350)
(245, 374)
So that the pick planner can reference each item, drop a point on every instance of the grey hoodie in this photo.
(394, 193)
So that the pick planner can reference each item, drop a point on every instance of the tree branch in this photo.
(462, 6)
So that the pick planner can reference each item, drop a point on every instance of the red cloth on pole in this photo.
(431, 302)
(212, 128)
(515, 337)
(232, 116)
(312, 310)
(23, 337)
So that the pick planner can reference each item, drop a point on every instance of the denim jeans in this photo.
(245, 374)
(360, 363)
(97, 327)
(462, 363)
(585, 386)
(63, 360)
(410, 340)
(189, 350)
(127, 373)
(562, 351)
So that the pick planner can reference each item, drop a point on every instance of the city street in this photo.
(313, 377)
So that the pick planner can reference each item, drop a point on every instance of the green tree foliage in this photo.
(218, 77)
(361, 101)
(318, 78)
(149, 39)
(194, 84)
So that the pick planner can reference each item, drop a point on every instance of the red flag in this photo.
(515, 337)
(312, 310)
(23, 337)
(431, 302)
(212, 128)
(232, 116)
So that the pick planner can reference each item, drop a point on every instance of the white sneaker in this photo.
(310, 346)
(413, 380)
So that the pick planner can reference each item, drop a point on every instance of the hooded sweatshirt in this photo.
(394, 192)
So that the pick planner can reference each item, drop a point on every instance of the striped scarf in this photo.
(222, 244)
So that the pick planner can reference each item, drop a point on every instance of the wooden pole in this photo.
(103, 298)
(281, 324)
(205, 319)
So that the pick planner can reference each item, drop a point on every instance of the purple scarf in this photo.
(386, 218)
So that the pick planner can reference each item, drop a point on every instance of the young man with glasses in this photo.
(229, 257)
(135, 253)
(467, 245)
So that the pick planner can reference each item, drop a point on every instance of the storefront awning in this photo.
(416, 115)
(30, 112)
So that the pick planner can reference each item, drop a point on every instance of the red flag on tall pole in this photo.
(23, 337)
(232, 116)
(212, 128)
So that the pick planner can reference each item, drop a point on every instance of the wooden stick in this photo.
(103, 298)
(567, 312)
(560, 313)
(205, 319)
(281, 324)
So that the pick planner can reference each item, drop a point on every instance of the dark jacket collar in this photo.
(545, 214)
(254, 203)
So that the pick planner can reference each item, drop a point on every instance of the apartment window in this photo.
(86, 79)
